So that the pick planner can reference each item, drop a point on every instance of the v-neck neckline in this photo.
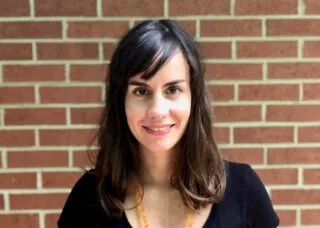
(210, 219)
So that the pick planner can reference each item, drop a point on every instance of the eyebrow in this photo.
(137, 83)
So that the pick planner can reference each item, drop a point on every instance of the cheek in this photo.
(133, 105)
(134, 114)
(183, 106)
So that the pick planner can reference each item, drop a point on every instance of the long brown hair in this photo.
(199, 174)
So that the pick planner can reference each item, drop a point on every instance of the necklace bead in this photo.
(143, 216)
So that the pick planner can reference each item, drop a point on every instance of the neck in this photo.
(157, 170)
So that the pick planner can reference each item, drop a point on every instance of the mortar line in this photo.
(67, 72)
(41, 219)
(99, 9)
(232, 7)
(39, 180)
(6, 201)
(166, 8)
(198, 29)
(4, 159)
(263, 27)
(65, 26)
(32, 8)
(301, 7)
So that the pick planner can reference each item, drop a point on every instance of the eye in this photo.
(173, 90)
(140, 92)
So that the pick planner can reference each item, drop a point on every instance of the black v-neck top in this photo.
(246, 204)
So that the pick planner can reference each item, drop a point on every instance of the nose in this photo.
(158, 108)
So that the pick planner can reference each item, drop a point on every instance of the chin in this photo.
(159, 149)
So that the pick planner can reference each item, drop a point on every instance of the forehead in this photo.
(176, 68)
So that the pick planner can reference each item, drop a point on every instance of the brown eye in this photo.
(173, 90)
(140, 92)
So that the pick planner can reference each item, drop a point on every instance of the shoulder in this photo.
(86, 185)
(244, 182)
(240, 174)
(81, 207)
(238, 170)
(87, 182)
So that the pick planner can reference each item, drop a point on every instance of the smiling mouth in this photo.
(158, 130)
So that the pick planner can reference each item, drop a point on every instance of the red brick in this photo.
(85, 115)
(243, 155)
(33, 73)
(133, 8)
(263, 134)
(311, 49)
(108, 49)
(310, 217)
(70, 94)
(10, 9)
(188, 26)
(221, 135)
(293, 27)
(51, 220)
(14, 30)
(15, 51)
(69, 137)
(0, 159)
(84, 158)
(221, 92)
(294, 70)
(31, 116)
(20, 220)
(200, 7)
(1, 202)
(293, 113)
(249, 7)
(278, 176)
(67, 51)
(12, 95)
(267, 49)
(309, 134)
(215, 50)
(311, 91)
(97, 29)
(312, 7)
(18, 180)
(37, 201)
(294, 155)
(311, 176)
(66, 8)
(95, 72)
(287, 217)
(269, 92)
(28, 159)
(60, 179)
(295, 197)
(237, 113)
(237, 71)
(15, 138)
(222, 28)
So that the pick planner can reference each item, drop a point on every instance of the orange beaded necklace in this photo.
(143, 217)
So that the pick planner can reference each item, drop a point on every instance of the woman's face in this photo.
(158, 110)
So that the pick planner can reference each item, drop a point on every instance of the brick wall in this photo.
(262, 69)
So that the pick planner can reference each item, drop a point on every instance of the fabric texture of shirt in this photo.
(245, 204)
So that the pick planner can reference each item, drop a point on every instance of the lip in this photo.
(159, 126)
(168, 128)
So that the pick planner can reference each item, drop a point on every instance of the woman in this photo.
(158, 165)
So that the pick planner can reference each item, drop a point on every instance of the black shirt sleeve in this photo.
(259, 207)
(80, 209)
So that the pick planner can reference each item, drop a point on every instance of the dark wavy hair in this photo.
(199, 173)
